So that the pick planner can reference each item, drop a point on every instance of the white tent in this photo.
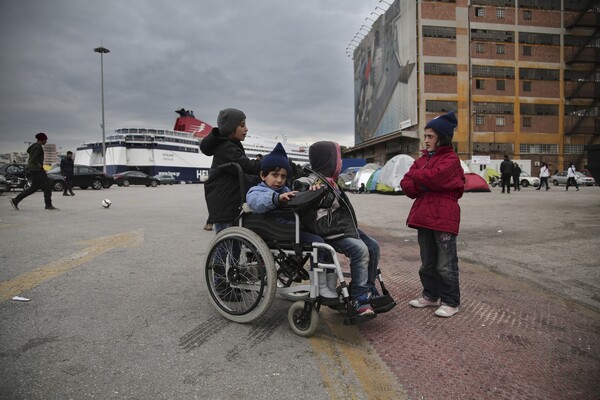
(363, 175)
(392, 173)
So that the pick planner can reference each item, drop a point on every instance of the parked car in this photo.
(166, 179)
(135, 178)
(526, 180)
(83, 177)
(15, 174)
(3, 184)
(561, 179)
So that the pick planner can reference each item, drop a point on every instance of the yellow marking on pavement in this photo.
(96, 247)
(350, 367)
(6, 226)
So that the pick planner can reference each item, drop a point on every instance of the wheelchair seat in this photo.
(269, 227)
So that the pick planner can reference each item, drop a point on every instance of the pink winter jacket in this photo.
(436, 182)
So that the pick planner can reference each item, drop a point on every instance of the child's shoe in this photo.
(422, 302)
(362, 305)
(446, 311)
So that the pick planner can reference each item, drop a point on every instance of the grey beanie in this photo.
(228, 120)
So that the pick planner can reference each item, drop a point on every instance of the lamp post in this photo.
(102, 51)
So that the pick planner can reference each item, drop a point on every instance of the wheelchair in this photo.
(249, 264)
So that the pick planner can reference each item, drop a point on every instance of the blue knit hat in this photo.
(276, 158)
(444, 124)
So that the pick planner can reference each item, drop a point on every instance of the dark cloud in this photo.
(282, 62)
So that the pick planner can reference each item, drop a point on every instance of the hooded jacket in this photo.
(35, 162)
(334, 217)
(436, 182)
(222, 190)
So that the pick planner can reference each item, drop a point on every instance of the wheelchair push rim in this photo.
(240, 274)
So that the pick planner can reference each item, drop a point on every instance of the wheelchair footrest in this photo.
(383, 304)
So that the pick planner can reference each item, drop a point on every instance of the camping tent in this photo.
(362, 176)
(465, 167)
(392, 173)
(372, 182)
(490, 174)
(475, 183)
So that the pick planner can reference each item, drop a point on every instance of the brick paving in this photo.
(509, 341)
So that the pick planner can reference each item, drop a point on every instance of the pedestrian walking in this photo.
(544, 174)
(571, 180)
(67, 170)
(37, 174)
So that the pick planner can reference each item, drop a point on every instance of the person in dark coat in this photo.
(222, 189)
(37, 174)
(436, 182)
(67, 170)
(506, 168)
(516, 175)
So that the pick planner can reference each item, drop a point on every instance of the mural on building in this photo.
(385, 80)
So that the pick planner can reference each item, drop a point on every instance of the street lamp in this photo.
(102, 51)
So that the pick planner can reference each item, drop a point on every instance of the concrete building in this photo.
(522, 75)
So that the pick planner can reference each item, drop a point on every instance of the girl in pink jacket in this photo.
(436, 181)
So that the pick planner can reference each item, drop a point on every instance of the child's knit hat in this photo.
(444, 124)
(228, 120)
(276, 158)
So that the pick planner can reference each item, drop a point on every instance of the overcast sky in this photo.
(283, 62)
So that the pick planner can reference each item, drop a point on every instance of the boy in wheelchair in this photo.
(335, 221)
(339, 228)
(273, 193)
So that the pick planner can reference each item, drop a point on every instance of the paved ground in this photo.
(121, 313)
(529, 327)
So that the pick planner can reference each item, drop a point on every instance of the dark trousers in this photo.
(543, 181)
(572, 181)
(439, 266)
(506, 181)
(68, 184)
(39, 180)
(516, 182)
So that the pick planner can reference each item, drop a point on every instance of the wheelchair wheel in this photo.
(303, 323)
(240, 274)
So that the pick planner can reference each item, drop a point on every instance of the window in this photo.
(500, 121)
(527, 122)
(440, 105)
(479, 83)
(573, 149)
(538, 109)
(479, 119)
(488, 71)
(527, 86)
(479, 48)
(500, 13)
(527, 15)
(439, 32)
(479, 12)
(440, 69)
(500, 49)
(500, 84)
(526, 50)
(494, 108)
(538, 148)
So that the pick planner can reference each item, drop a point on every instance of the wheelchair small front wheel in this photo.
(303, 323)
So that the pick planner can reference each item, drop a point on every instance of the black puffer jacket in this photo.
(222, 190)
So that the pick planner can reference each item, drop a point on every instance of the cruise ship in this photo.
(175, 152)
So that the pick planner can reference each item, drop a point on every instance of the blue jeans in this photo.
(364, 259)
(439, 269)
(219, 226)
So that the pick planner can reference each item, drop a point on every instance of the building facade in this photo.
(522, 75)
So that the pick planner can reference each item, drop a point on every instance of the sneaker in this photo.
(51, 207)
(13, 203)
(66, 194)
(446, 311)
(363, 306)
(422, 302)
(72, 194)
(577, 189)
(208, 227)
